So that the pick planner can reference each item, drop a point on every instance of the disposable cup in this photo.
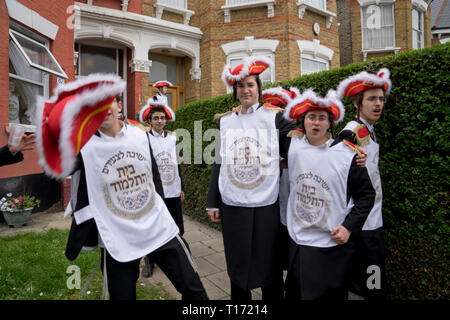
(15, 134)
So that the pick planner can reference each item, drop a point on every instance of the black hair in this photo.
(154, 111)
(258, 82)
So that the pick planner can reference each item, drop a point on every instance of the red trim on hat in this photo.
(302, 107)
(146, 112)
(162, 84)
(88, 122)
(335, 111)
(274, 100)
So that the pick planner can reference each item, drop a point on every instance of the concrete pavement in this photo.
(206, 246)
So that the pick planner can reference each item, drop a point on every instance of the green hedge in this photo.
(414, 164)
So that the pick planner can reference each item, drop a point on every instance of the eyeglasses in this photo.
(156, 118)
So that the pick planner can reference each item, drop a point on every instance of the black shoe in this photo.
(147, 270)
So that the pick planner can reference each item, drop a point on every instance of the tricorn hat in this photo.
(162, 83)
(69, 119)
(310, 101)
(276, 96)
(251, 66)
(365, 81)
(159, 105)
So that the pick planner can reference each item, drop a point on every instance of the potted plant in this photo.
(17, 210)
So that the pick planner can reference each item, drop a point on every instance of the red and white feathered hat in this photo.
(276, 96)
(252, 65)
(294, 92)
(310, 101)
(159, 105)
(69, 119)
(162, 83)
(365, 81)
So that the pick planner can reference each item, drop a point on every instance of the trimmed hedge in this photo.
(414, 164)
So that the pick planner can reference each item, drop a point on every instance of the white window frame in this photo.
(421, 6)
(161, 6)
(313, 50)
(45, 76)
(227, 8)
(13, 33)
(315, 59)
(304, 5)
(124, 63)
(363, 5)
(416, 31)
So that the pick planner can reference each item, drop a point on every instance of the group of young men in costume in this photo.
(127, 188)
(327, 197)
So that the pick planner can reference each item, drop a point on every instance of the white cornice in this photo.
(315, 49)
(364, 3)
(31, 19)
(136, 21)
(420, 4)
(250, 44)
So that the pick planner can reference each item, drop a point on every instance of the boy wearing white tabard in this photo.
(116, 193)
(243, 189)
(369, 92)
(330, 198)
(156, 113)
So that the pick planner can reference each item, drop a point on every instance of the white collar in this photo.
(120, 134)
(156, 134)
(252, 109)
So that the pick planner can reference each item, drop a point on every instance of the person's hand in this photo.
(283, 164)
(361, 157)
(26, 143)
(214, 215)
(182, 196)
(236, 109)
(340, 234)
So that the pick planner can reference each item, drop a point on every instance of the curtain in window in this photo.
(311, 66)
(24, 90)
(378, 26)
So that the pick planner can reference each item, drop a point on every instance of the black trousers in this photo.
(272, 293)
(319, 273)
(174, 206)
(174, 260)
(121, 277)
(369, 255)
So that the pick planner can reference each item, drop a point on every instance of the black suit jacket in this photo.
(6, 156)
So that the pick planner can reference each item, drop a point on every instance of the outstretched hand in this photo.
(26, 143)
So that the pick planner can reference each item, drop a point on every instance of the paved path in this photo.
(206, 246)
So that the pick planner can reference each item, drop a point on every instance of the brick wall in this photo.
(345, 31)
(61, 48)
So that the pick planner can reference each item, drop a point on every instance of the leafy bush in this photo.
(414, 164)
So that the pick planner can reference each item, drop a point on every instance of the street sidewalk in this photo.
(206, 246)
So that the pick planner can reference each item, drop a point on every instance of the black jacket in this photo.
(6, 156)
